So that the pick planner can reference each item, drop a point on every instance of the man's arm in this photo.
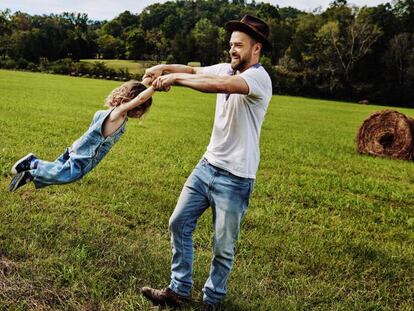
(204, 83)
(158, 70)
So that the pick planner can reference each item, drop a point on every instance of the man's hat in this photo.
(254, 27)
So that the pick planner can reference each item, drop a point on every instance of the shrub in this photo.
(8, 63)
(21, 63)
(32, 67)
(123, 73)
(43, 64)
(62, 66)
(81, 68)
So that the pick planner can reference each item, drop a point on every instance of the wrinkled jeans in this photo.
(228, 195)
(65, 169)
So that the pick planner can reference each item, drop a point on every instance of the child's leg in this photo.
(63, 157)
(24, 164)
(64, 170)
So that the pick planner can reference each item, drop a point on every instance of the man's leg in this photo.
(230, 199)
(193, 201)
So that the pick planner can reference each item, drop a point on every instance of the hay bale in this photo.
(387, 133)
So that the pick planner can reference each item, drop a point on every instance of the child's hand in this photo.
(147, 81)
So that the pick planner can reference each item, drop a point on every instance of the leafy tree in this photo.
(135, 44)
(113, 28)
(399, 61)
(404, 10)
(349, 48)
(289, 13)
(267, 11)
(5, 32)
(207, 41)
(110, 47)
(156, 45)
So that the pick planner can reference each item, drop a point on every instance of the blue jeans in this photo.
(65, 169)
(228, 196)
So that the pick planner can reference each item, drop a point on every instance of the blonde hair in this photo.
(125, 93)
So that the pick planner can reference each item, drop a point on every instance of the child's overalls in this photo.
(84, 154)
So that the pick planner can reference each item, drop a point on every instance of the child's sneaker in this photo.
(23, 164)
(20, 180)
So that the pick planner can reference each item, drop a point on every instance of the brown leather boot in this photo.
(164, 297)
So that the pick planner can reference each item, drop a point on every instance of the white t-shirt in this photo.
(234, 143)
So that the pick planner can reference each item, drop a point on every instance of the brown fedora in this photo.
(254, 27)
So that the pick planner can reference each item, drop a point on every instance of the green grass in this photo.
(134, 67)
(327, 228)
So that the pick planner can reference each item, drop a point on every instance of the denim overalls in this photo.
(77, 160)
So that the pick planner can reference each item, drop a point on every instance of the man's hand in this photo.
(153, 72)
(163, 83)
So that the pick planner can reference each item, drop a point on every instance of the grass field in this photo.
(134, 67)
(327, 229)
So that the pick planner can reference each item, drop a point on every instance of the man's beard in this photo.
(241, 65)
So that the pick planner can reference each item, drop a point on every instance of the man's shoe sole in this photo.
(13, 170)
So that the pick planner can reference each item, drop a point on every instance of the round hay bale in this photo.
(387, 133)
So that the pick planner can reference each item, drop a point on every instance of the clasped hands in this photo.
(158, 81)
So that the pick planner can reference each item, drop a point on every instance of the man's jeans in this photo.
(228, 196)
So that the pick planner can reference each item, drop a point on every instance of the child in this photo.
(131, 99)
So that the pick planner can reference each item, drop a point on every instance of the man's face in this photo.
(241, 48)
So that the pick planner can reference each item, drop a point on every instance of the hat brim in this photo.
(238, 26)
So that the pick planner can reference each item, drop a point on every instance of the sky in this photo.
(108, 9)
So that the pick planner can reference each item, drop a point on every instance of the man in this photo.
(224, 177)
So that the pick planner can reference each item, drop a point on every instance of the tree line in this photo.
(343, 52)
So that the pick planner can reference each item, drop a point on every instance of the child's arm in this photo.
(147, 81)
(140, 99)
(118, 115)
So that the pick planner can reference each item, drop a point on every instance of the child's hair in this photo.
(126, 92)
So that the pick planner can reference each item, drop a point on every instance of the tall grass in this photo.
(327, 229)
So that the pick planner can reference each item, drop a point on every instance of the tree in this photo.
(113, 28)
(110, 47)
(135, 44)
(5, 32)
(404, 10)
(267, 11)
(208, 42)
(353, 45)
(281, 32)
(399, 61)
